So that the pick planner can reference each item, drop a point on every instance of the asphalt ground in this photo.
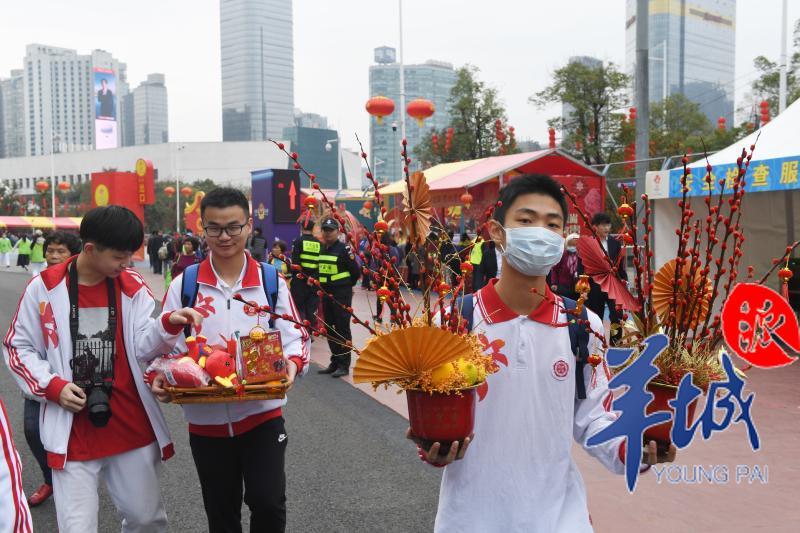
(349, 467)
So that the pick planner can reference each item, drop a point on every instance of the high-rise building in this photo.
(148, 106)
(587, 61)
(12, 115)
(692, 52)
(318, 150)
(257, 68)
(309, 120)
(432, 80)
(72, 102)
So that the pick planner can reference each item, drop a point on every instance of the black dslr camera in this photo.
(93, 371)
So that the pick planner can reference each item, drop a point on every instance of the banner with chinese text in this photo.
(778, 174)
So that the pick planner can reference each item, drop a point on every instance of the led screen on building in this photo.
(105, 109)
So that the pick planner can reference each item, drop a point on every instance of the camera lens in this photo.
(98, 407)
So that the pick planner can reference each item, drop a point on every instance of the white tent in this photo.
(773, 174)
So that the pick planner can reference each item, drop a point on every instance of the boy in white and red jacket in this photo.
(15, 516)
(240, 443)
(518, 474)
(75, 344)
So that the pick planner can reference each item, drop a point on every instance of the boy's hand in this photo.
(72, 398)
(651, 455)
(157, 388)
(187, 315)
(432, 456)
(291, 373)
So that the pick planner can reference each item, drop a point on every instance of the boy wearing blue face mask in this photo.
(518, 474)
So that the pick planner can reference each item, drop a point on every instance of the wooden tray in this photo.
(261, 391)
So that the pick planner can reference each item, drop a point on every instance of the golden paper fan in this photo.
(663, 284)
(406, 353)
(417, 226)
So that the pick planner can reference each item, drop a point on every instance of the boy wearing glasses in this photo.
(241, 443)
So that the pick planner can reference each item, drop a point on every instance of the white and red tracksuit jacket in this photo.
(38, 349)
(15, 517)
(518, 474)
(223, 317)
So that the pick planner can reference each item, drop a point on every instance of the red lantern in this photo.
(721, 123)
(625, 211)
(169, 191)
(381, 227)
(42, 186)
(64, 186)
(310, 202)
(551, 137)
(466, 268)
(764, 105)
(379, 107)
(186, 191)
(384, 293)
(368, 205)
(420, 109)
(443, 288)
(466, 199)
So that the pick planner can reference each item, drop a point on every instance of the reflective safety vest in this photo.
(309, 254)
(476, 254)
(329, 269)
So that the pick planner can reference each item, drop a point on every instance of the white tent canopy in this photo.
(777, 139)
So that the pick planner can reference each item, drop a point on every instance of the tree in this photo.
(767, 85)
(474, 112)
(9, 201)
(594, 127)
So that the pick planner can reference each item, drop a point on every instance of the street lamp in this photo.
(56, 139)
(173, 158)
(328, 148)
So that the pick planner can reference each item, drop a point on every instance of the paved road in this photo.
(349, 468)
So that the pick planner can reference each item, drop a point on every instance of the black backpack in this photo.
(578, 337)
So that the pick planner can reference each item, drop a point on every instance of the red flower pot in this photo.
(442, 418)
(662, 394)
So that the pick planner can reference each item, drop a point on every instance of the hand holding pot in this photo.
(457, 450)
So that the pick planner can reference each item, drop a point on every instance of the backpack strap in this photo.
(189, 291)
(467, 305)
(579, 341)
(270, 276)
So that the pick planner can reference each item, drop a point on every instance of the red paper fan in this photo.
(596, 265)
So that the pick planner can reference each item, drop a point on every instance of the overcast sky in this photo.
(516, 44)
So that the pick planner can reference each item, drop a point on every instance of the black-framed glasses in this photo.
(233, 230)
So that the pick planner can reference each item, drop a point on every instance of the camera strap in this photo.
(74, 307)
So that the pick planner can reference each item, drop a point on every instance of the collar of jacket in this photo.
(129, 280)
(496, 311)
(206, 276)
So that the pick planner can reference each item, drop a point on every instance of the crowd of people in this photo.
(89, 305)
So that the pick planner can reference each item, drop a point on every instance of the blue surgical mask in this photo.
(534, 250)
(572, 249)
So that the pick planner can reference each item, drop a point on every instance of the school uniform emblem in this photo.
(560, 369)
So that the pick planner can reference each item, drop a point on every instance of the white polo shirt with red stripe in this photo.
(518, 474)
(223, 318)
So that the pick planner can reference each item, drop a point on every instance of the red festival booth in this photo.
(133, 190)
(481, 180)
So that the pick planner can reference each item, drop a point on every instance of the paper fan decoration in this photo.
(417, 217)
(596, 265)
(663, 285)
(406, 353)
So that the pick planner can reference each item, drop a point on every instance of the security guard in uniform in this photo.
(338, 272)
(305, 253)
